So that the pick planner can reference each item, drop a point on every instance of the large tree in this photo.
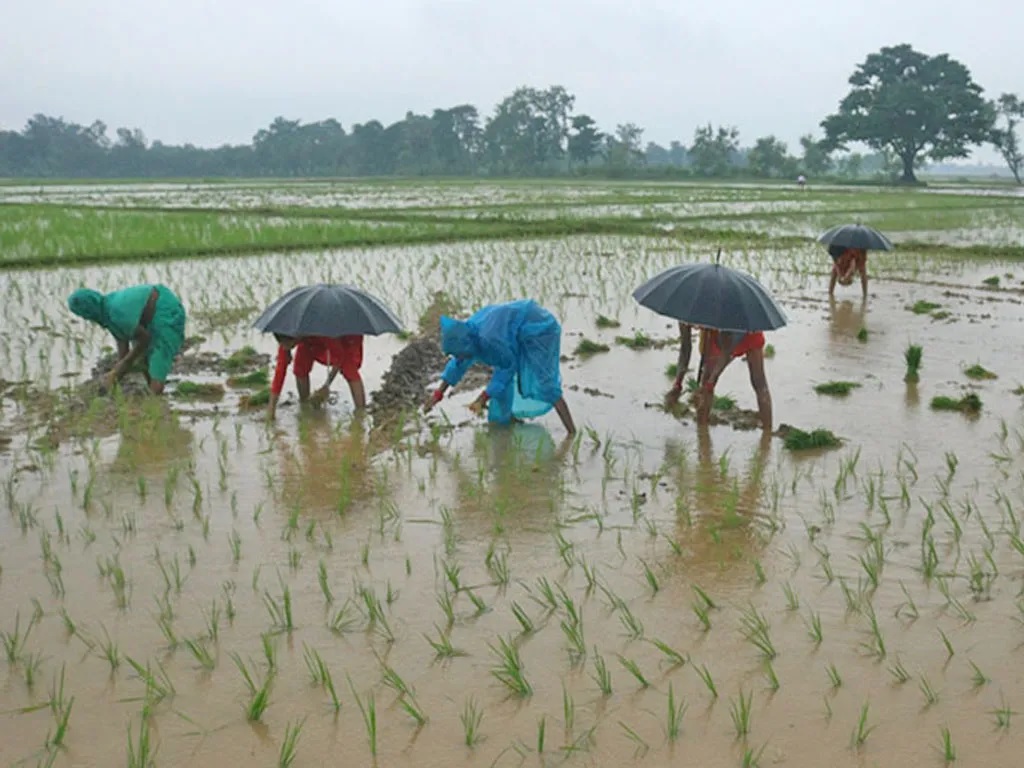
(712, 151)
(816, 160)
(916, 105)
(1010, 109)
(769, 157)
(585, 140)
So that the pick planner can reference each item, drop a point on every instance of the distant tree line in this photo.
(905, 106)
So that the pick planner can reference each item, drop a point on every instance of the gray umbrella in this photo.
(856, 236)
(328, 310)
(711, 296)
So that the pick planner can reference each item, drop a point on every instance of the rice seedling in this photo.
(912, 357)
(588, 348)
(510, 672)
(601, 675)
(862, 334)
(109, 650)
(631, 622)
(834, 678)
(290, 744)
(652, 580)
(799, 440)
(923, 307)
(140, 752)
(756, 630)
(639, 340)
(861, 730)
(836, 388)
(606, 322)
(674, 658)
(929, 693)
(1002, 716)
(992, 282)
(948, 645)
(642, 746)
(200, 653)
(525, 622)
(368, 709)
(979, 373)
(472, 716)
(979, 678)
(752, 759)
(948, 750)
(443, 648)
(877, 643)
(969, 403)
(568, 711)
(14, 642)
(259, 695)
(703, 596)
(769, 351)
(280, 609)
(740, 711)
(813, 623)
(792, 598)
(633, 669)
(709, 683)
(899, 672)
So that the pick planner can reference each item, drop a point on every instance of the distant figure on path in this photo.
(521, 342)
(343, 354)
(151, 316)
(801, 181)
(845, 262)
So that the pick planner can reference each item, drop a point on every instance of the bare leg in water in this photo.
(562, 409)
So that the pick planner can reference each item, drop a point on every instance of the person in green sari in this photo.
(151, 316)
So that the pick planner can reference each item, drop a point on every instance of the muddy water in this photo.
(711, 511)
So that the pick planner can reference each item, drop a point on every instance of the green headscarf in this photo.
(87, 304)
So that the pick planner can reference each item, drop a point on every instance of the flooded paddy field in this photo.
(182, 584)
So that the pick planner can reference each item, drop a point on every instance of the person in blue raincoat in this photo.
(521, 342)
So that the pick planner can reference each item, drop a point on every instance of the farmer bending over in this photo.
(343, 354)
(719, 348)
(151, 316)
(520, 341)
(846, 261)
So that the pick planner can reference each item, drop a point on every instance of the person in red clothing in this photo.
(713, 362)
(719, 348)
(846, 261)
(343, 354)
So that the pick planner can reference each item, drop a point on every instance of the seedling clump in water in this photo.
(913, 359)
(838, 388)
(979, 373)
(586, 348)
(970, 403)
(798, 440)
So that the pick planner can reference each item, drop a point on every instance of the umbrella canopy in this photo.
(856, 236)
(711, 296)
(328, 310)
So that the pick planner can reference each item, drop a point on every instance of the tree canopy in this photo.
(915, 105)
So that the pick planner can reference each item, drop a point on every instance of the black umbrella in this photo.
(328, 310)
(856, 236)
(711, 296)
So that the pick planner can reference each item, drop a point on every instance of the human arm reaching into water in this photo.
(682, 364)
(452, 375)
(128, 353)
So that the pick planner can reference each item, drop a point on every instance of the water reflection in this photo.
(720, 523)
(151, 438)
(326, 466)
(845, 318)
(512, 478)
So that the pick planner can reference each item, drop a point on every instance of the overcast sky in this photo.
(215, 72)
